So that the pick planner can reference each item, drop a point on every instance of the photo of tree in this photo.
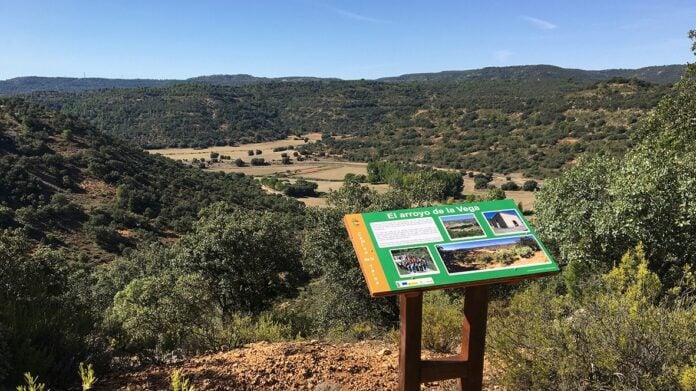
(462, 226)
(505, 222)
(491, 254)
(414, 261)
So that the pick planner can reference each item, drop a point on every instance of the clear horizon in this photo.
(347, 40)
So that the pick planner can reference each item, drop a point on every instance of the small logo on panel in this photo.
(414, 282)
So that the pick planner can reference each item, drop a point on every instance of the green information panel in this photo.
(446, 246)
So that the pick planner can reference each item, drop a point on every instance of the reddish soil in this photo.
(312, 365)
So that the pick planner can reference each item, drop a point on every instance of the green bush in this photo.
(442, 322)
(495, 193)
(530, 185)
(6, 216)
(248, 258)
(178, 382)
(244, 329)
(44, 322)
(615, 335)
(510, 185)
(165, 312)
(601, 207)
(32, 384)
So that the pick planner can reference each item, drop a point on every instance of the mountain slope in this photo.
(73, 187)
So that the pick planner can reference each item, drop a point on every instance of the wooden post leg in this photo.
(410, 315)
(474, 337)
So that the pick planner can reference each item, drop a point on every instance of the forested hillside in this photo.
(69, 186)
(72, 200)
(500, 125)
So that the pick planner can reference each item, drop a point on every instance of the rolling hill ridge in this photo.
(664, 74)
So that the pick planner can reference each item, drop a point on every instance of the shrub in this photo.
(442, 320)
(615, 335)
(178, 382)
(258, 161)
(67, 134)
(301, 188)
(530, 185)
(250, 153)
(6, 216)
(481, 182)
(495, 193)
(164, 312)
(510, 185)
(245, 329)
(32, 384)
(237, 250)
(87, 376)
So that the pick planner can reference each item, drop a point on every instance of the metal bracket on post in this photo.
(466, 367)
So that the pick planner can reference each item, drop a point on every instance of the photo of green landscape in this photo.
(462, 226)
(174, 178)
(491, 254)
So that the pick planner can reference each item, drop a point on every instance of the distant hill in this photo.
(29, 84)
(243, 80)
(23, 85)
(664, 74)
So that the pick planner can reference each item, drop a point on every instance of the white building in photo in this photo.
(506, 221)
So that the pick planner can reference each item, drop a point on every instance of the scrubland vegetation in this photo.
(107, 252)
(524, 125)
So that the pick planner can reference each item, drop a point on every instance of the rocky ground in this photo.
(324, 366)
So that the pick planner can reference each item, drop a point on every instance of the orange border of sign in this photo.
(367, 256)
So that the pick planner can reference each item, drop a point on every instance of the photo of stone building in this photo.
(505, 221)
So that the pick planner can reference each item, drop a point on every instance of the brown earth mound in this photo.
(312, 365)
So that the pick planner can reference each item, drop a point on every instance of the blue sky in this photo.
(478, 243)
(467, 216)
(488, 215)
(331, 38)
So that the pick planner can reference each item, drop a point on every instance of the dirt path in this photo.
(362, 366)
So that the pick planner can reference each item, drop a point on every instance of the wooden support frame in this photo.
(466, 367)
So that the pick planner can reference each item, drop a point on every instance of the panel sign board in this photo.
(446, 246)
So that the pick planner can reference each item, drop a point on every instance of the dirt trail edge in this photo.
(319, 366)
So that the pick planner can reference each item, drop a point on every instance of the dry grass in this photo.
(328, 172)
(527, 198)
(325, 169)
(236, 152)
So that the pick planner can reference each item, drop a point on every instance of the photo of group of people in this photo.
(413, 261)
(491, 254)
